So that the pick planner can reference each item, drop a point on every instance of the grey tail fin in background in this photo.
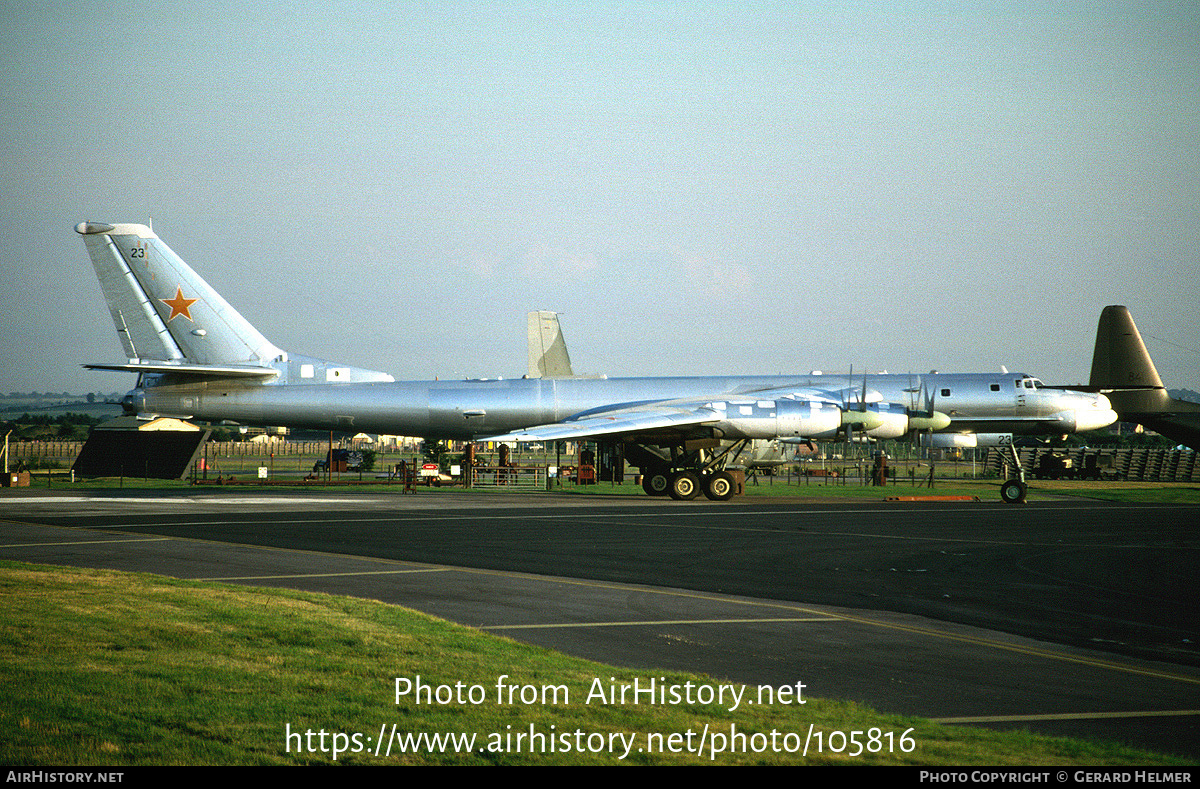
(548, 356)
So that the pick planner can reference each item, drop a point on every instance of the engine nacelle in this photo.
(894, 420)
(778, 419)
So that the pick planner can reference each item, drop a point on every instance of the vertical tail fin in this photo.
(548, 356)
(163, 310)
(1121, 366)
(171, 321)
(1121, 360)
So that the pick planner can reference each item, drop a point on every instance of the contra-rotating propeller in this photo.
(857, 417)
(923, 417)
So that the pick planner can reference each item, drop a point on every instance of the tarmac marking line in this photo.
(657, 622)
(83, 542)
(1068, 716)
(1049, 654)
(603, 521)
(323, 575)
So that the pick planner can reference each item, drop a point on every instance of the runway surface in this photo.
(1070, 617)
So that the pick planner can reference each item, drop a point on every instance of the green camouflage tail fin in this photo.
(1122, 368)
(1121, 360)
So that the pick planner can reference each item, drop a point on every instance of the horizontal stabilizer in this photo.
(189, 369)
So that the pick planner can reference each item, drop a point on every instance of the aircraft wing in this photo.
(652, 418)
(784, 412)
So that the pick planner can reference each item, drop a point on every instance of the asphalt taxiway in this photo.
(1073, 618)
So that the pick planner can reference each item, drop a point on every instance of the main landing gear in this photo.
(688, 472)
(687, 485)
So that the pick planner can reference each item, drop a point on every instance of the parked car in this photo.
(343, 460)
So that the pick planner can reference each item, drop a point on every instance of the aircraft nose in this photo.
(1097, 414)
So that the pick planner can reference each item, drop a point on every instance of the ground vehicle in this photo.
(1054, 465)
(343, 460)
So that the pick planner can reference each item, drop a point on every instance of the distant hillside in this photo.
(1184, 394)
(97, 409)
(17, 403)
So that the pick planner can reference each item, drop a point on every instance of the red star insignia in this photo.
(179, 305)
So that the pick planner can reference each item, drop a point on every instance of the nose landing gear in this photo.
(1015, 490)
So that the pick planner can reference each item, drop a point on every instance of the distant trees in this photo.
(44, 427)
(91, 397)
(433, 450)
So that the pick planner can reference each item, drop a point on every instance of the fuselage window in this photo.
(945, 393)
(995, 387)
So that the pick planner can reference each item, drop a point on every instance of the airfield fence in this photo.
(1132, 465)
(508, 477)
(227, 457)
(33, 450)
(249, 449)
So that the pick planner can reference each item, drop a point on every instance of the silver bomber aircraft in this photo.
(197, 357)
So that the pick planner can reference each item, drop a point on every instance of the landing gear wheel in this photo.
(685, 486)
(719, 487)
(1013, 492)
(656, 482)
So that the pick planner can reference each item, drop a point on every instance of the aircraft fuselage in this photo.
(466, 409)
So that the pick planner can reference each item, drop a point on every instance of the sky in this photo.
(698, 188)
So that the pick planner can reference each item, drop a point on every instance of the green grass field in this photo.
(813, 488)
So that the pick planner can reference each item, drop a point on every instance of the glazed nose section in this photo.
(1095, 414)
